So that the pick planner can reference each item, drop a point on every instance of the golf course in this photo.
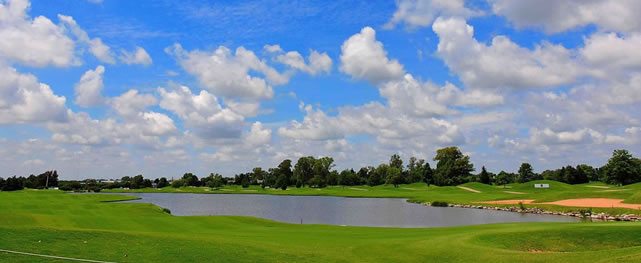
(94, 227)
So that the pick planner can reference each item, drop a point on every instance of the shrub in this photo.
(585, 213)
(166, 210)
(439, 204)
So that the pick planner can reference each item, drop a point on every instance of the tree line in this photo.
(452, 168)
(41, 181)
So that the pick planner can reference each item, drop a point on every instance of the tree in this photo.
(396, 162)
(137, 182)
(394, 176)
(504, 178)
(322, 167)
(190, 179)
(178, 183)
(526, 173)
(304, 170)
(13, 184)
(2, 182)
(162, 182)
(283, 174)
(484, 176)
(363, 175)
(622, 169)
(259, 175)
(215, 181)
(415, 170)
(125, 182)
(452, 167)
(428, 174)
(377, 175)
(588, 171)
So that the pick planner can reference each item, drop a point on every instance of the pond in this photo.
(381, 212)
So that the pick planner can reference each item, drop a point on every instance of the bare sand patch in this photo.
(509, 202)
(613, 190)
(595, 202)
(516, 193)
(359, 189)
(469, 189)
(598, 186)
(407, 188)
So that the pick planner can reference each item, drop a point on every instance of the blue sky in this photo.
(166, 87)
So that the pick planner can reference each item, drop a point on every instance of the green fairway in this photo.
(84, 226)
(459, 195)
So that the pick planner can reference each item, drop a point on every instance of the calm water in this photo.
(387, 212)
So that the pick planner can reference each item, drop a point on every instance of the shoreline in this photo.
(540, 211)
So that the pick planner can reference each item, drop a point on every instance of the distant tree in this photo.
(2, 183)
(304, 170)
(31, 182)
(216, 181)
(137, 182)
(162, 182)
(70, 186)
(125, 182)
(178, 183)
(504, 178)
(622, 169)
(526, 173)
(428, 174)
(452, 167)
(394, 176)
(91, 185)
(190, 179)
(363, 175)
(588, 171)
(484, 176)
(415, 170)
(377, 175)
(259, 175)
(283, 174)
(395, 161)
(322, 169)
(13, 184)
(332, 178)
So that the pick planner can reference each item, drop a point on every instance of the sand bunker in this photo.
(580, 202)
(598, 186)
(509, 202)
(515, 193)
(469, 189)
(595, 202)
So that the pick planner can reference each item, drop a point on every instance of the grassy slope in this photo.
(52, 222)
(421, 193)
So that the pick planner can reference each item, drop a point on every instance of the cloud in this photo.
(317, 62)
(132, 102)
(503, 63)
(34, 42)
(88, 90)
(363, 57)
(609, 55)
(23, 99)
(559, 16)
(202, 113)
(97, 48)
(421, 13)
(228, 74)
(139, 56)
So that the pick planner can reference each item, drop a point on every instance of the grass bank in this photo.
(86, 226)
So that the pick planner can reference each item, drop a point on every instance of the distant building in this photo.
(541, 185)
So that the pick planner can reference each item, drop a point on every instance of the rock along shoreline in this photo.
(535, 210)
